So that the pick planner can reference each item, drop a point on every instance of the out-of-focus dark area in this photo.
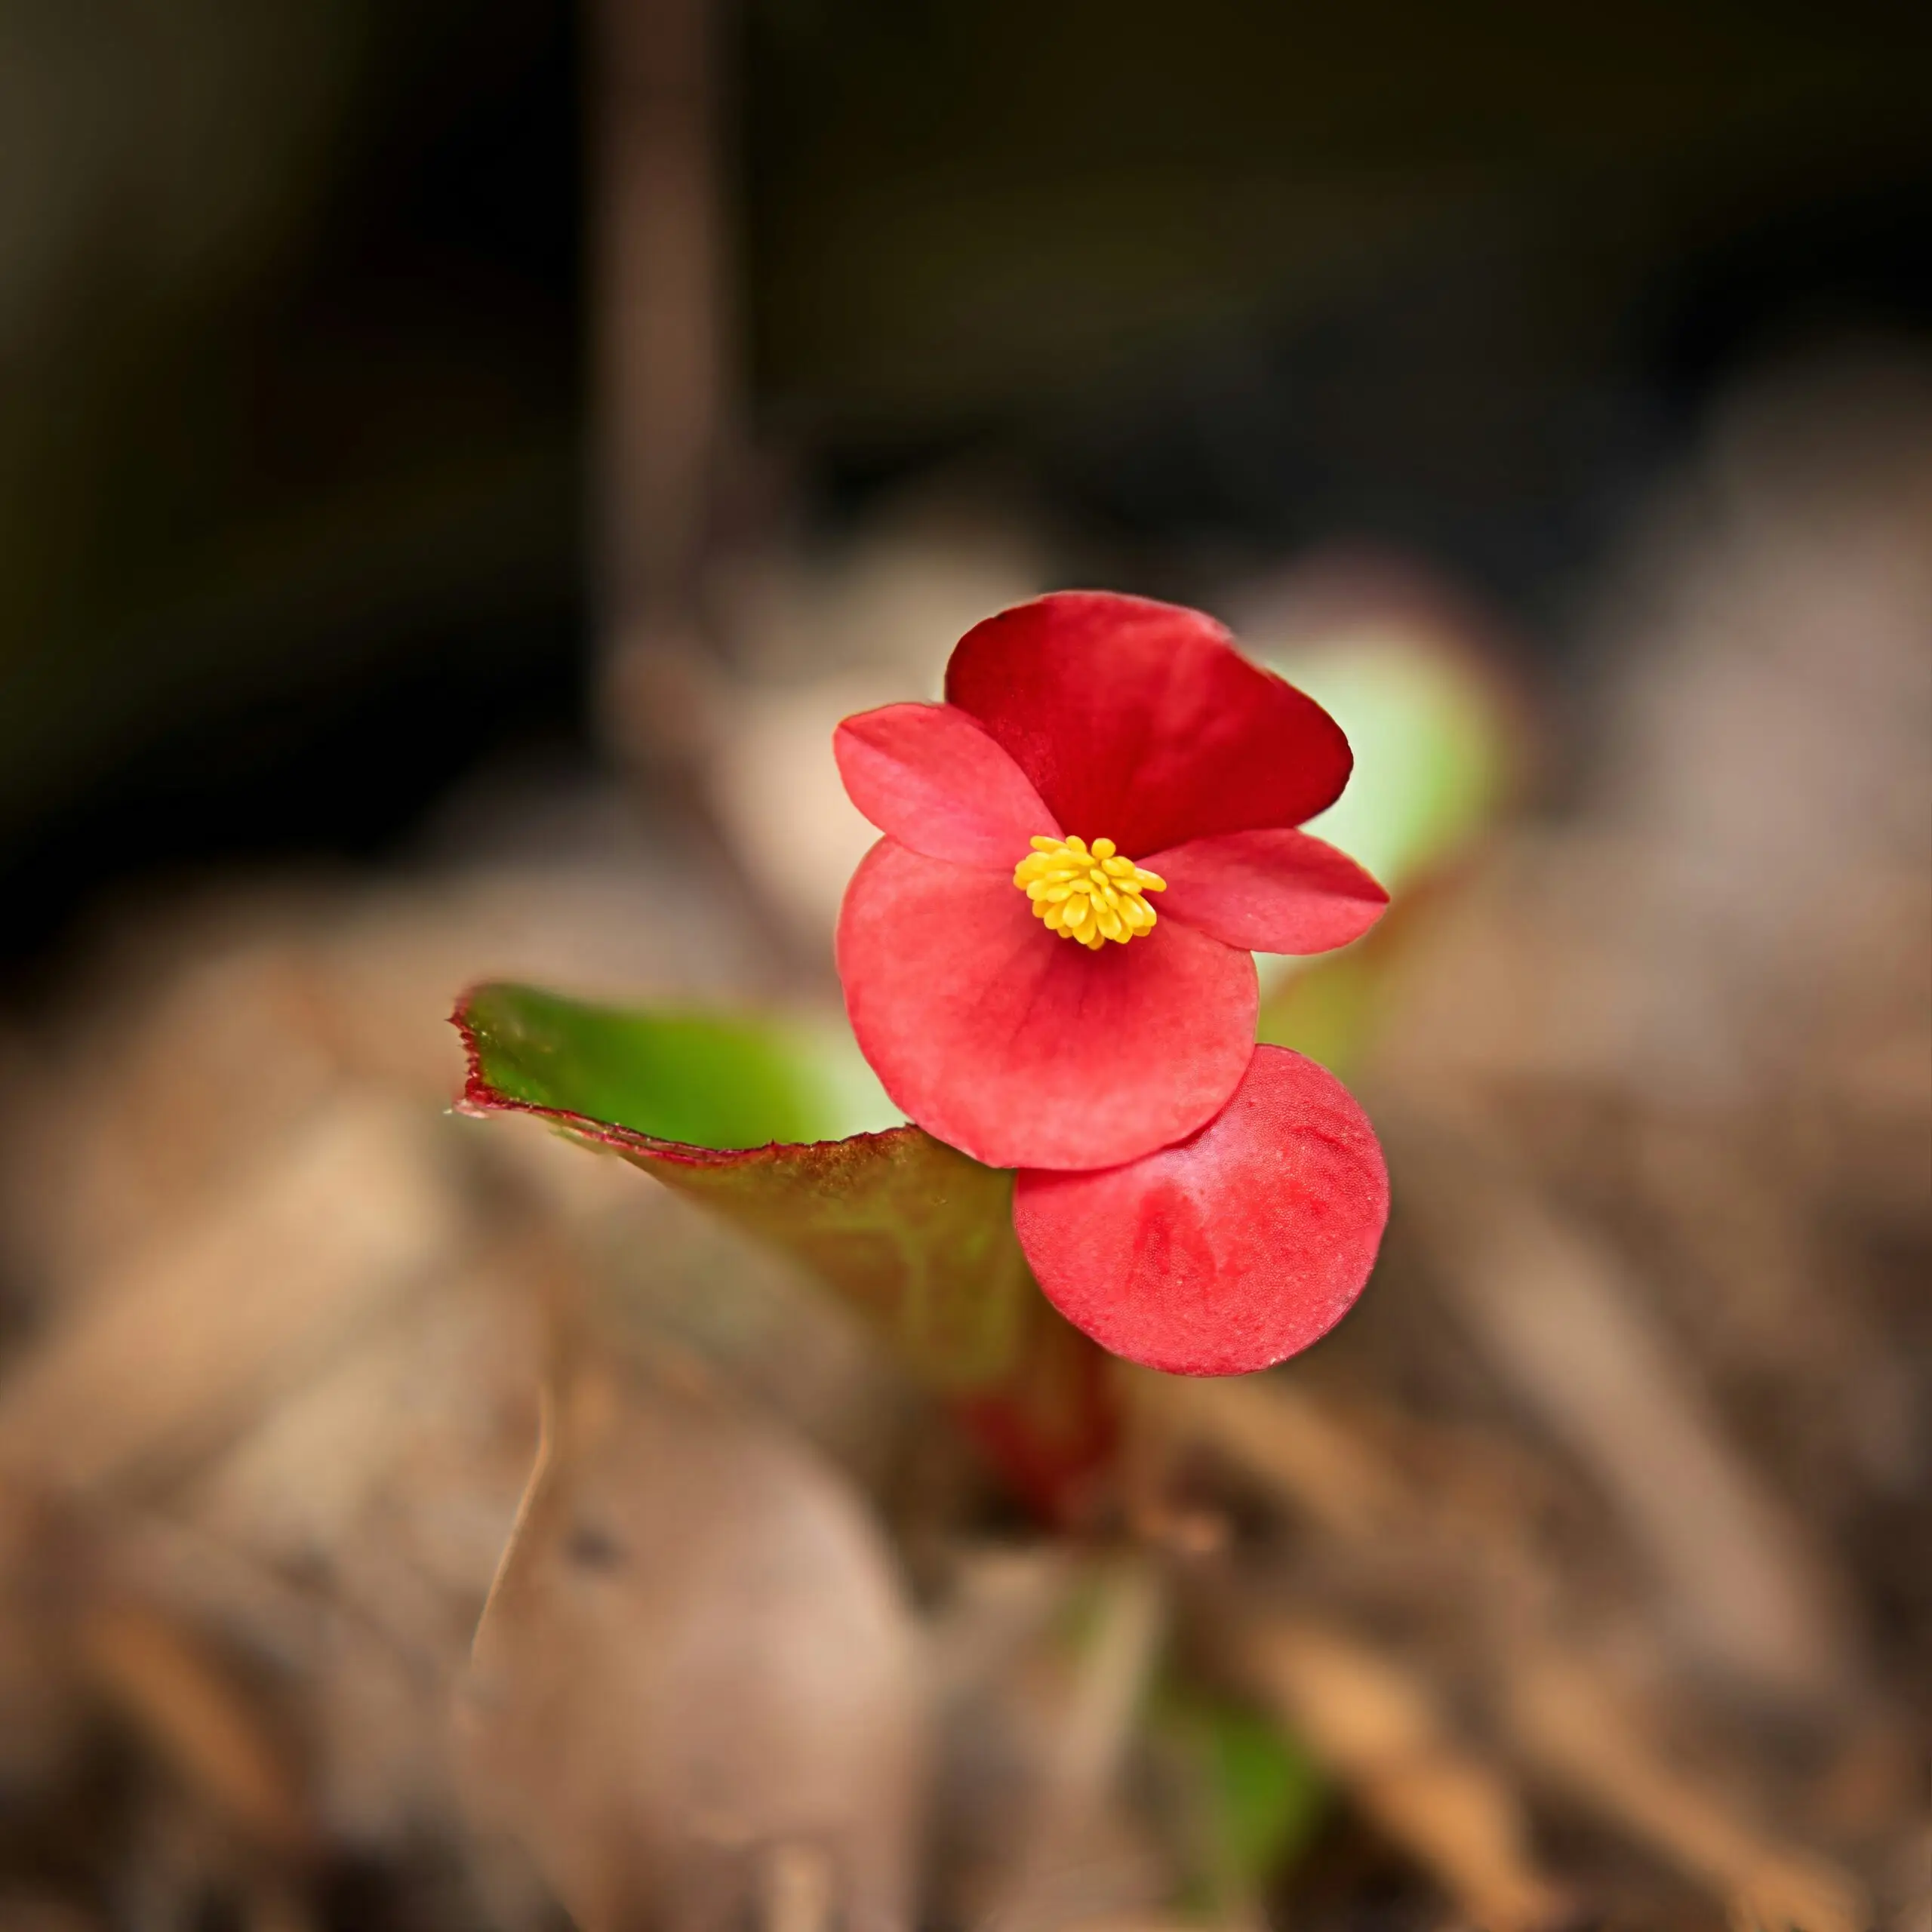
(457, 464)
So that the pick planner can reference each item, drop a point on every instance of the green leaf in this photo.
(1436, 739)
(909, 1233)
(699, 1078)
(1331, 1010)
(913, 1234)
(1258, 1798)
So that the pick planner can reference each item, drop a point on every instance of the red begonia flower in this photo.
(1231, 1251)
(1104, 749)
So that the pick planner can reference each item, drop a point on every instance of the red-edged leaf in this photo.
(914, 1236)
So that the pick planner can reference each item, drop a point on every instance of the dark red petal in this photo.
(1140, 721)
(929, 776)
(1231, 1251)
(1277, 891)
(1024, 1049)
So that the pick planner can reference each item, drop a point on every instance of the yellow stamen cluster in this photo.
(1092, 895)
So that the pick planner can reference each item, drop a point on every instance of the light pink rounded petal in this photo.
(1140, 722)
(929, 776)
(1275, 891)
(1232, 1250)
(1024, 1049)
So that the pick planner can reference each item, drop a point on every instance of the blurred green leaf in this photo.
(1327, 1011)
(1439, 740)
(908, 1231)
(1257, 1797)
(1435, 742)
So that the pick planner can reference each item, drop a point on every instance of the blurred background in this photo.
(457, 464)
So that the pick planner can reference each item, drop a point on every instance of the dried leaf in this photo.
(1553, 1307)
(696, 1684)
(1374, 1722)
(197, 1716)
(185, 1347)
(1568, 1720)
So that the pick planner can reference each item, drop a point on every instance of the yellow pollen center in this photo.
(1090, 894)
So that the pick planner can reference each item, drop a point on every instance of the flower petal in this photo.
(929, 776)
(1276, 891)
(1231, 1251)
(1024, 1049)
(1141, 723)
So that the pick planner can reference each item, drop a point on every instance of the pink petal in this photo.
(928, 776)
(1023, 1049)
(1140, 721)
(1231, 1251)
(1276, 891)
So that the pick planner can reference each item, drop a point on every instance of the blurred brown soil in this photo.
(1590, 1561)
